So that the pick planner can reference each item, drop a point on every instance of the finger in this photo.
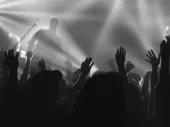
(86, 59)
(17, 54)
(118, 52)
(6, 54)
(153, 54)
(148, 60)
(3, 48)
(148, 56)
(124, 52)
(10, 53)
(121, 52)
(89, 60)
(91, 64)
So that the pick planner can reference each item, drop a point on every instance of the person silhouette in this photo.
(47, 37)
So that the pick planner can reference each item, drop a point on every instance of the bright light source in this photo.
(11, 35)
(23, 54)
(167, 31)
(167, 28)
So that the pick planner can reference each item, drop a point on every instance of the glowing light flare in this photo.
(17, 3)
(73, 49)
(93, 70)
(70, 46)
(11, 35)
(139, 31)
(28, 14)
(167, 31)
(80, 6)
(144, 12)
(2, 1)
(15, 37)
(50, 55)
(23, 54)
(117, 5)
(159, 19)
(140, 82)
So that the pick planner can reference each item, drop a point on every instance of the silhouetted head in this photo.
(53, 24)
(98, 72)
(102, 98)
(44, 85)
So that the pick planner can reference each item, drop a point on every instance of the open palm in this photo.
(152, 59)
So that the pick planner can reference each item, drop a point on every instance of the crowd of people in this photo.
(119, 98)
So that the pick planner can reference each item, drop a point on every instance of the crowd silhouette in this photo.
(119, 98)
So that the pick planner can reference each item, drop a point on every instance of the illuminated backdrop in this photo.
(91, 27)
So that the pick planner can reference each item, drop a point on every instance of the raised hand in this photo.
(11, 60)
(68, 64)
(29, 54)
(3, 49)
(120, 56)
(86, 66)
(129, 66)
(164, 47)
(76, 75)
(110, 63)
(69, 72)
(152, 59)
(41, 64)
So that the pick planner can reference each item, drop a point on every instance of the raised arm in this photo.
(145, 85)
(3, 67)
(79, 85)
(69, 73)
(11, 61)
(26, 71)
(164, 71)
(120, 60)
(154, 61)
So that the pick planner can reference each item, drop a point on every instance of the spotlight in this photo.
(167, 31)
(11, 35)
(23, 54)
